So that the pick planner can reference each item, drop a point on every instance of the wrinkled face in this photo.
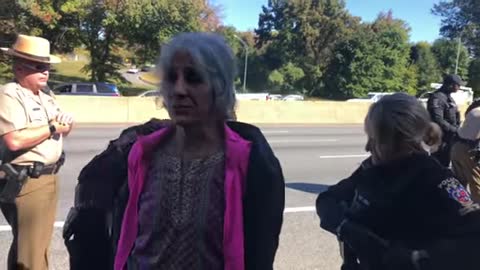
(189, 98)
(32, 75)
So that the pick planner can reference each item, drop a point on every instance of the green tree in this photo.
(98, 25)
(210, 16)
(426, 66)
(460, 19)
(446, 53)
(41, 18)
(147, 24)
(258, 71)
(303, 33)
(230, 34)
(7, 37)
(276, 81)
(286, 79)
(474, 79)
(376, 58)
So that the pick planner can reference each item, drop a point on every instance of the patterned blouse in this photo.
(181, 215)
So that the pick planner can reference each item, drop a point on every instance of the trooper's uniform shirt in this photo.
(20, 108)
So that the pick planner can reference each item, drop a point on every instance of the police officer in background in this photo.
(444, 111)
(32, 127)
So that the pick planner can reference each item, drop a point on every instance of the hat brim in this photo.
(52, 58)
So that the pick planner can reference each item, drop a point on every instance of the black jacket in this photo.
(413, 203)
(93, 226)
(444, 111)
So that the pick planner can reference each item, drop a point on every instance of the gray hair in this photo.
(398, 123)
(212, 58)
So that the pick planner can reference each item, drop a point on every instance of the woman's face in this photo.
(374, 150)
(189, 95)
(373, 146)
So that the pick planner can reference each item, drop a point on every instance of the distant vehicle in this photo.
(252, 96)
(147, 68)
(150, 93)
(275, 97)
(133, 70)
(293, 98)
(87, 89)
(371, 97)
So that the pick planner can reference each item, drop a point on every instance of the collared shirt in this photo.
(20, 108)
(470, 128)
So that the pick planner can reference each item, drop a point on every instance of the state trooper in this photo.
(32, 128)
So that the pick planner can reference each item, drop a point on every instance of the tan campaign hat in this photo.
(32, 48)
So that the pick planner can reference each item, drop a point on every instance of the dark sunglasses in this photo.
(36, 67)
(191, 76)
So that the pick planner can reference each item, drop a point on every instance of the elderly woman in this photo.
(202, 193)
(401, 209)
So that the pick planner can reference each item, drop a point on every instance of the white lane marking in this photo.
(299, 209)
(345, 156)
(275, 132)
(302, 140)
(59, 224)
(7, 228)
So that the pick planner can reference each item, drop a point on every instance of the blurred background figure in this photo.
(466, 151)
(444, 112)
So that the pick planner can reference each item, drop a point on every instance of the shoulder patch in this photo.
(457, 192)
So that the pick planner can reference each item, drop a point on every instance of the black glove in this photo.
(400, 258)
(349, 258)
(368, 246)
(331, 214)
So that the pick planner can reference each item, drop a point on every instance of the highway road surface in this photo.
(312, 158)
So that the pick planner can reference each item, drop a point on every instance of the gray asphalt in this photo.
(312, 158)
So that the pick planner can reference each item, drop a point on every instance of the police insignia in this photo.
(458, 192)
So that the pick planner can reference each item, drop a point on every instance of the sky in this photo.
(243, 14)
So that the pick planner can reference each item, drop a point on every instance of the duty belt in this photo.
(33, 173)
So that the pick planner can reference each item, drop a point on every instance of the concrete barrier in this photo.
(136, 110)
(302, 112)
(111, 109)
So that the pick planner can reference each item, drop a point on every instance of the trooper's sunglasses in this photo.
(36, 67)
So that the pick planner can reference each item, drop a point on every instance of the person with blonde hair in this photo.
(401, 209)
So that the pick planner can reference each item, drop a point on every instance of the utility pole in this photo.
(458, 55)
(246, 62)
